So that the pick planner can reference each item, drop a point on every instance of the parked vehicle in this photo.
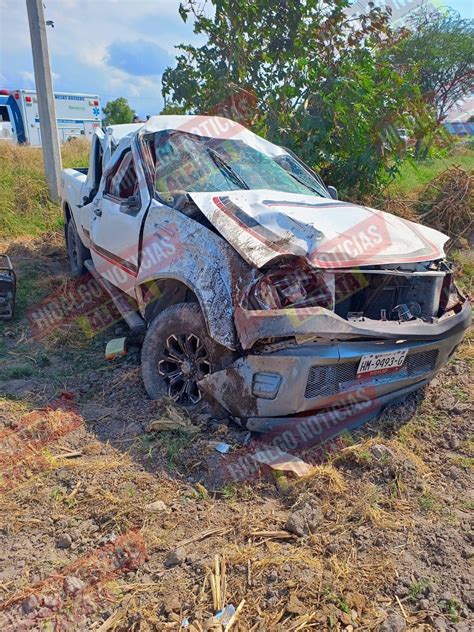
(77, 115)
(255, 285)
(7, 288)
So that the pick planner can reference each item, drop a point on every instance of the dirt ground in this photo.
(106, 525)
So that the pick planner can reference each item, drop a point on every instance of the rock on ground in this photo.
(304, 521)
(393, 623)
(175, 557)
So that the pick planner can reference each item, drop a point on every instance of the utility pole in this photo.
(44, 92)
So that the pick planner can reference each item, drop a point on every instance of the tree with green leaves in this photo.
(306, 75)
(118, 111)
(440, 50)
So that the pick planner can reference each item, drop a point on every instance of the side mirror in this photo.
(132, 204)
(332, 192)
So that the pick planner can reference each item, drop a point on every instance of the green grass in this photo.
(429, 503)
(16, 372)
(344, 606)
(32, 288)
(464, 262)
(30, 291)
(414, 176)
(451, 608)
(173, 443)
(466, 462)
(26, 209)
(415, 590)
(170, 443)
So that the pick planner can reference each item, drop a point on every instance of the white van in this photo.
(76, 114)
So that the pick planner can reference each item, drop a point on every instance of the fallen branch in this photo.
(109, 622)
(69, 455)
(203, 535)
(275, 535)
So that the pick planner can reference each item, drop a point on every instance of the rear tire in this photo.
(177, 352)
(77, 252)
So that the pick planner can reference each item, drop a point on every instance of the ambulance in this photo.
(77, 115)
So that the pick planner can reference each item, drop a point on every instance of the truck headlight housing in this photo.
(291, 286)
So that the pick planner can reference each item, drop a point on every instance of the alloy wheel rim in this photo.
(183, 362)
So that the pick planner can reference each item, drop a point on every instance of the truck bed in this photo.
(72, 181)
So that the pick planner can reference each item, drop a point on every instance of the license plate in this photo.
(377, 363)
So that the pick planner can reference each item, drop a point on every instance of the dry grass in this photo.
(361, 454)
(402, 207)
(323, 477)
(447, 204)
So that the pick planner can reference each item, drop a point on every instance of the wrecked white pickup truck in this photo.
(255, 285)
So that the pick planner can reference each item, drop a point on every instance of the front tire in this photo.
(178, 352)
(77, 252)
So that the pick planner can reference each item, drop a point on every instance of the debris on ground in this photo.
(295, 606)
(218, 582)
(282, 461)
(172, 417)
(225, 615)
(381, 451)
(223, 448)
(116, 348)
(235, 614)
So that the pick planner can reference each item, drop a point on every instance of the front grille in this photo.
(335, 378)
(421, 362)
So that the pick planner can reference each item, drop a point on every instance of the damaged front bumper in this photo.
(271, 388)
(256, 325)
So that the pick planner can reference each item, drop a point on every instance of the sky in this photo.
(111, 47)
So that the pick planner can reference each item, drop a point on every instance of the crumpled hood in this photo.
(263, 225)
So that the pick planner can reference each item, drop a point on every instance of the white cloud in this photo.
(28, 76)
(83, 31)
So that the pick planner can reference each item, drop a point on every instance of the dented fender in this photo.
(177, 247)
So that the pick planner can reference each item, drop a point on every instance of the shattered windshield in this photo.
(188, 163)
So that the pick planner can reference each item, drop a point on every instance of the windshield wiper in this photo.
(226, 169)
(305, 184)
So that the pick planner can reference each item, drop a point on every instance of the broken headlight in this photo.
(449, 298)
(292, 287)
